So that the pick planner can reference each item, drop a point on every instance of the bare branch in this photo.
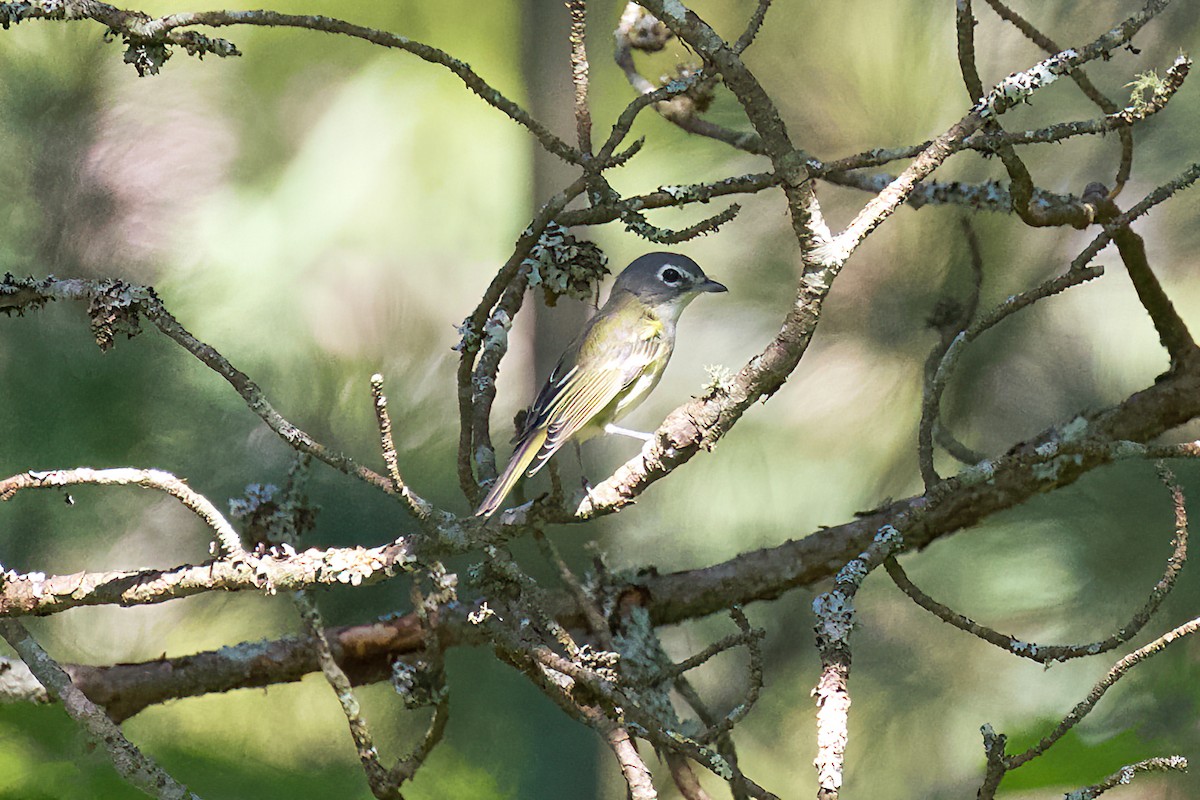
(134, 766)
(417, 506)
(1119, 670)
(229, 542)
(834, 611)
(949, 319)
(377, 777)
(1048, 654)
(633, 768)
(579, 73)
(1081, 80)
(752, 27)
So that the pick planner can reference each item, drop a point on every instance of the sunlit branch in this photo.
(1081, 80)
(417, 506)
(34, 593)
(579, 73)
(227, 538)
(834, 611)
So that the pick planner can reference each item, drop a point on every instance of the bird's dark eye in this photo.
(671, 276)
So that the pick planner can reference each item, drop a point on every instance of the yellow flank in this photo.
(653, 329)
(609, 367)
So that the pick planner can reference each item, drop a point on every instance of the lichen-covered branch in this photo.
(1126, 775)
(228, 541)
(284, 569)
(834, 611)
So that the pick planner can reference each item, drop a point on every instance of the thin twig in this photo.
(511, 274)
(417, 506)
(1048, 654)
(406, 766)
(1158, 195)
(113, 298)
(1021, 186)
(229, 542)
(1002, 97)
(988, 141)
(134, 766)
(752, 27)
(377, 776)
(595, 620)
(950, 319)
(1118, 671)
(215, 19)
(1081, 80)
(1126, 774)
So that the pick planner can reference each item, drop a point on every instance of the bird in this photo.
(609, 368)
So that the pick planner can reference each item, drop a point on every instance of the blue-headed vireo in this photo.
(610, 367)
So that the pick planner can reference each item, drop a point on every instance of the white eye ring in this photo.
(671, 275)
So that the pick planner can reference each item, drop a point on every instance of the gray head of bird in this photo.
(665, 281)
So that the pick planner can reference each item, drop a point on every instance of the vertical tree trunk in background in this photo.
(546, 69)
(546, 64)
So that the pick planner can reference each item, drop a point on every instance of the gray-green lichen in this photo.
(565, 266)
(419, 684)
(1074, 430)
(982, 472)
(642, 659)
(115, 309)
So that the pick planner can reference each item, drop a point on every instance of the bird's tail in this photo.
(527, 450)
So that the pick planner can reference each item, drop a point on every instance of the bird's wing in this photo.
(568, 402)
(583, 383)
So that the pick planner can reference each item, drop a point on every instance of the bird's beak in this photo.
(710, 285)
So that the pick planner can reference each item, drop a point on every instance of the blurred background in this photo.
(322, 209)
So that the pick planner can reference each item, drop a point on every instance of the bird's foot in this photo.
(587, 489)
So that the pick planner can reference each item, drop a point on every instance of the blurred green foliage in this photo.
(320, 209)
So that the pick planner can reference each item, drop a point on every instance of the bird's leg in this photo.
(645, 437)
(583, 480)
